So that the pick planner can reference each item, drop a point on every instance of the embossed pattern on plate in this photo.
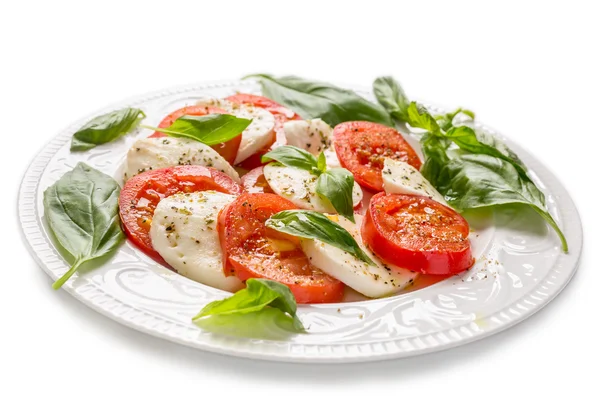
(519, 268)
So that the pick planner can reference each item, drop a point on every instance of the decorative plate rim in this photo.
(557, 278)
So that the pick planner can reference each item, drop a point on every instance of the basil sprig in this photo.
(313, 99)
(391, 96)
(334, 184)
(263, 309)
(209, 129)
(486, 173)
(106, 128)
(314, 225)
(82, 211)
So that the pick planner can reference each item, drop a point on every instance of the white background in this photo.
(531, 71)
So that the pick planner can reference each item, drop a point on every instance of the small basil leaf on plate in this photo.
(391, 96)
(478, 142)
(480, 180)
(82, 211)
(336, 185)
(313, 99)
(292, 157)
(266, 324)
(209, 129)
(314, 225)
(106, 128)
(262, 302)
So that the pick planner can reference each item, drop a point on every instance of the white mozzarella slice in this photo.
(257, 135)
(372, 281)
(300, 187)
(314, 136)
(403, 178)
(154, 153)
(184, 232)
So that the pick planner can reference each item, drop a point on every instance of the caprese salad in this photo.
(292, 196)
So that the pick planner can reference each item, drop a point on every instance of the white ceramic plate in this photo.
(519, 268)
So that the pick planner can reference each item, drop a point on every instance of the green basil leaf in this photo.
(292, 157)
(445, 120)
(312, 99)
(391, 96)
(258, 294)
(250, 305)
(266, 324)
(480, 180)
(490, 175)
(106, 128)
(209, 129)
(336, 185)
(434, 149)
(481, 143)
(322, 162)
(82, 211)
(419, 117)
(314, 225)
(468, 113)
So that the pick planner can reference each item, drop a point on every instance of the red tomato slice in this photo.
(255, 182)
(281, 114)
(141, 194)
(362, 146)
(228, 150)
(417, 233)
(251, 250)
